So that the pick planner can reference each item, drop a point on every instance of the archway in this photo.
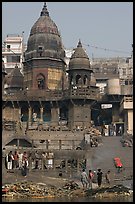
(41, 81)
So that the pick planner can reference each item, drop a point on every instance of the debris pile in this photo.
(71, 185)
(118, 190)
(95, 137)
(93, 131)
(40, 190)
(28, 189)
(127, 141)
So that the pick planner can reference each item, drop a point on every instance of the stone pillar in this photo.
(59, 144)
(73, 144)
(115, 113)
(30, 114)
(53, 164)
(41, 114)
(32, 142)
(47, 144)
(17, 143)
(66, 165)
(20, 114)
(78, 166)
(54, 116)
(79, 116)
(42, 163)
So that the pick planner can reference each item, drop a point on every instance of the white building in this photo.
(68, 54)
(12, 52)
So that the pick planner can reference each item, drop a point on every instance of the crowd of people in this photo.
(21, 160)
(87, 179)
(17, 160)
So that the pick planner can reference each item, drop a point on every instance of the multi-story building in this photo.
(51, 92)
(12, 52)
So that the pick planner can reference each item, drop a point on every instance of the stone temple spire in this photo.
(44, 11)
(79, 43)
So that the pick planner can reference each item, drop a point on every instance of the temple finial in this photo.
(79, 43)
(44, 11)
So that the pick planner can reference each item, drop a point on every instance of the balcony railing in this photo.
(86, 93)
(53, 95)
(8, 50)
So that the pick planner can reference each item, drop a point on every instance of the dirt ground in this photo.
(102, 158)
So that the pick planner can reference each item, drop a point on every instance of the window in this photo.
(130, 82)
(41, 81)
(85, 80)
(78, 79)
(14, 59)
(122, 82)
(124, 72)
(40, 48)
(8, 46)
(126, 82)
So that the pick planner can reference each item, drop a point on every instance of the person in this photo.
(90, 176)
(20, 159)
(25, 155)
(99, 177)
(107, 176)
(84, 178)
(119, 167)
(44, 158)
(120, 131)
(16, 158)
(36, 160)
(24, 167)
(4, 156)
(10, 159)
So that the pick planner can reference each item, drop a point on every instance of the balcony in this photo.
(126, 89)
(126, 103)
(53, 95)
(34, 95)
(83, 93)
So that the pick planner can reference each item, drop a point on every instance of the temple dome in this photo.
(15, 79)
(44, 35)
(79, 59)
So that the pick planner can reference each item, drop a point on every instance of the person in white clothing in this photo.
(10, 159)
(84, 178)
(20, 159)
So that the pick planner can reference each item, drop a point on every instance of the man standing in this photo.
(25, 167)
(84, 178)
(107, 176)
(99, 177)
(10, 159)
(20, 159)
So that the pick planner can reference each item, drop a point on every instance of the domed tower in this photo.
(83, 90)
(80, 72)
(44, 64)
(14, 81)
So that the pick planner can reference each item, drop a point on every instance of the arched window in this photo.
(41, 81)
(85, 80)
(78, 79)
(71, 80)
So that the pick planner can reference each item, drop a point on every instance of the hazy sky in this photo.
(98, 24)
